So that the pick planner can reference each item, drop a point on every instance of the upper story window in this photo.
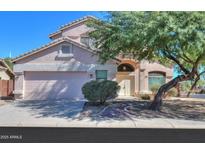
(66, 51)
(85, 40)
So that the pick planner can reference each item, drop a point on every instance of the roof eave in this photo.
(53, 44)
(54, 34)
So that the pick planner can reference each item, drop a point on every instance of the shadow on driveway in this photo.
(181, 110)
(61, 108)
(119, 110)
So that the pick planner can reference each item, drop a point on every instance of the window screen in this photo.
(66, 49)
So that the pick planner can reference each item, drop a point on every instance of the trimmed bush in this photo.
(98, 92)
(145, 97)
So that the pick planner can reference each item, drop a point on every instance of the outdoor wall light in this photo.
(91, 76)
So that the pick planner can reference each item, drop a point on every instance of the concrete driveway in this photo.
(73, 114)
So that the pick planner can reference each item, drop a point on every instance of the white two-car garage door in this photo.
(54, 85)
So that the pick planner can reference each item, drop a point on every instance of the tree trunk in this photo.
(193, 86)
(157, 102)
(178, 90)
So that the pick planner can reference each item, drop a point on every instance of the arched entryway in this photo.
(126, 79)
(125, 68)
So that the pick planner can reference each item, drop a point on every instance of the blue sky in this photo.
(23, 31)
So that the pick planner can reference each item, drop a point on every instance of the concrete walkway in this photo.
(46, 114)
(193, 99)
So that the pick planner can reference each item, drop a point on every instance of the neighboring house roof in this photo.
(4, 66)
(72, 24)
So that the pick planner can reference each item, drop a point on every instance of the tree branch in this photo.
(196, 63)
(188, 59)
(195, 83)
(168, 55)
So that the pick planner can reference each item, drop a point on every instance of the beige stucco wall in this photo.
(82, 60)
(74, 32)
(50, 55)
(146, 67)
(49, 60)
(141, 72)
(4, 75)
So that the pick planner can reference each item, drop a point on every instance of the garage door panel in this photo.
(54, 85)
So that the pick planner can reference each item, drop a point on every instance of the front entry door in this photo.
(125, 87)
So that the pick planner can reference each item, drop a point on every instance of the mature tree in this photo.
(170, 38)
(8, 61)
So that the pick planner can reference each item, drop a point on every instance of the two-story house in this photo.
(59, 69)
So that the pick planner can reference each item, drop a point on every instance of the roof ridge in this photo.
(38, 48)
(71, 23)
(77, 20)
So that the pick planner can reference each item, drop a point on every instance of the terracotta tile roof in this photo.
(62, 27)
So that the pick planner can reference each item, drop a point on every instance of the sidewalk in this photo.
(187, 99)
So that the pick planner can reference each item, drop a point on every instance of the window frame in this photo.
(87, 37)
(70, 54)
(96, 76)
(157, 75)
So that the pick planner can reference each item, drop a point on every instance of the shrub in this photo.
(98, 92)
(172, 92)
(202, 91)
(145, 97)
(154, 88)
(185, 86)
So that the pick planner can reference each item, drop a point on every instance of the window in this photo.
(101, 74)
(85, 40)
(156, 78)
(65, 49)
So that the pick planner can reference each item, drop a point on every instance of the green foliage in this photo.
(9, 63)
(166, 37)
(202, 91)
(145, 97)
(185, 86)
(154, 88)
(98, 92)
(201, 83)
(172, 92)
